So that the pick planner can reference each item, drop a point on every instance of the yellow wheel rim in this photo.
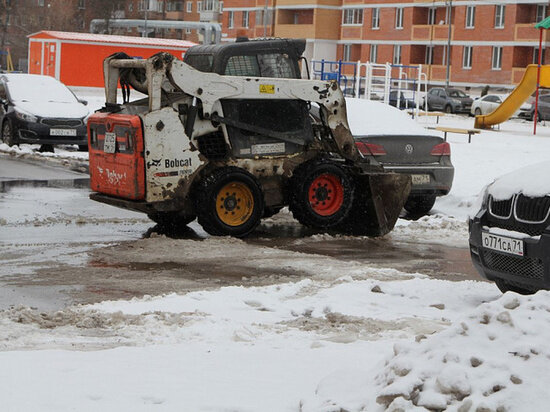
(234, 204)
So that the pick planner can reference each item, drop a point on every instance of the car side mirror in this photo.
(84, 102)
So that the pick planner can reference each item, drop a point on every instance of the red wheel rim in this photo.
(326, 194)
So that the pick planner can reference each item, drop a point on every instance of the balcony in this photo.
(300, 31)
(209, 16)
(523, 32)
(436, 72)
(422, 32)
(441, 31)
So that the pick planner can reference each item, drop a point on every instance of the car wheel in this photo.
(8, 134)
(419, 205)
(477, 111)
(507, 287)
(321, 194)
(229, 202)
(448, 109)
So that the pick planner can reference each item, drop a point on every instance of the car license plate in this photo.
(420, 179)
(62, 132)
(502, 243)
(109, 144)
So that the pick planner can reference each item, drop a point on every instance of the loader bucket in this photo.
(380, 197)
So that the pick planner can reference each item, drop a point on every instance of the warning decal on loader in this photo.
(267, 88)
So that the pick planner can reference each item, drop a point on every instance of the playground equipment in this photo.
(523, 90)
(373, 81)
(9, 62)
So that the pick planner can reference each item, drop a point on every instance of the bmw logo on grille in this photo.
(409, 148)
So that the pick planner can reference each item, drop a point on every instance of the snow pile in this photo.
(373, 118)
(495, 359)
(530, 180)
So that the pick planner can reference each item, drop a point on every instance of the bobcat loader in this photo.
(232, 135)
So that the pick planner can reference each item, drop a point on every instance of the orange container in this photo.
(117, 167)
(76, 59)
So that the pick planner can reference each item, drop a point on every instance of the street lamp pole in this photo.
(448, 54)
(145, 34)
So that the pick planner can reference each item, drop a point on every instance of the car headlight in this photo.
(27, 117)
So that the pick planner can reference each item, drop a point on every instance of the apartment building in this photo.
(491, 42)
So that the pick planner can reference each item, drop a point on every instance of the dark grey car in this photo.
(390, 137)
(448, 100)
(543, 109)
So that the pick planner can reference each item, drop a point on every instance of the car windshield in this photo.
(457, 93)
(38, 89)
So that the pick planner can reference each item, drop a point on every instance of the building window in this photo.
(353, 16)
(499, 16)
(467, 57)
(432, 11)
(199, 6)
(245, 19)
(209, 5)
(429, 58)
(260, 17)
(541, 12)
(81, 4)
(41, 3)
(346, 54)
(221, 6)
(399, 18)
(397, 54)
(376, 18)
(470, 16)
(373, 53)
(230, 20)
(187, 31)
(189, 6)
(497, 58)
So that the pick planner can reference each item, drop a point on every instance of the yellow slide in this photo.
(523, 90)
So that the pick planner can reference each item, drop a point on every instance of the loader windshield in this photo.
(262, 65)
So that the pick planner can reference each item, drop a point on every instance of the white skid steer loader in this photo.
(231, 149)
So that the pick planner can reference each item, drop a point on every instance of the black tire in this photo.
(171, 220)
(477, 111)
(419, 205)
(8, 134)
(507, 287)
(234, 213)
(539, 119)
(271, 211)
(321, 194)
(448, 109)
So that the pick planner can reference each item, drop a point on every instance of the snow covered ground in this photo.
(347, 337)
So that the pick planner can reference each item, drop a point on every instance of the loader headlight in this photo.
(25, 116)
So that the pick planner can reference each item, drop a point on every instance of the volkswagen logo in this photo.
(409, 148)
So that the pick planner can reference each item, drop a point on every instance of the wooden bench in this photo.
(446, 130)
(423, 113)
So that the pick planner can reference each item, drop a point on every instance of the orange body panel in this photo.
(121, 173)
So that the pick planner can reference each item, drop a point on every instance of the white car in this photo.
(488, 104)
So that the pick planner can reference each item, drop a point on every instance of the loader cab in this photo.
(258, 58)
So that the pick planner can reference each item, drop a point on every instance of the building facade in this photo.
(491, 42)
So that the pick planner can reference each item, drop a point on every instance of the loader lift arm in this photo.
(165, 73)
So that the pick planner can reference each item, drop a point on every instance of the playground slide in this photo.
(523, 90)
